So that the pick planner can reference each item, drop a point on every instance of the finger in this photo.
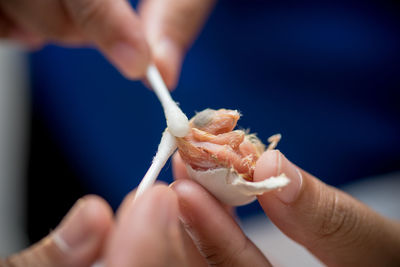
(78, 240)
(29, 40)
(11, 31)
(128, 200)
(126, 203)
(116, 29)
(147, 232)
(336, 228)
(5, 25)
(171, 26)
(213, 230)
(178, 167)
(45, 19)
(193, 257)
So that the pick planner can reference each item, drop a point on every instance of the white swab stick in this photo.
(177, 122)
(166, 148)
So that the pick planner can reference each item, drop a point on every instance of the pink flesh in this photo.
(212, 143)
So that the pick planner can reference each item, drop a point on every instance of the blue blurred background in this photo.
(324, 75)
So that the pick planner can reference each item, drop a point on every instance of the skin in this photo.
(333, 226)
(160, 30)
(336, 228)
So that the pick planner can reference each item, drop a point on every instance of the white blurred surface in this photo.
(13, 146)
(278, 248)
(381, 193)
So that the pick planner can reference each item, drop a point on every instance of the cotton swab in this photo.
(165, 150)
(177, 122)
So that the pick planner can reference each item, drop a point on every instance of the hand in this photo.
(165, 27)
(146, 232)
(336, 228)
(78, 241)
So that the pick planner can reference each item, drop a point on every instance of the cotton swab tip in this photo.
(178, 123)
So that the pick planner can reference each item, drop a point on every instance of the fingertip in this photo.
(274, 163)
(187, 190)
(131, 60)
(144, 227)
(181, 188)
(162, 192)
(168, 57)
(148, 205)
(98, 214)
(196, 202)
(267, 165)
(162, 197)
(89, 219)
(188, 193)
(178, 167)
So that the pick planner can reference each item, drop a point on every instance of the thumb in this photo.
(78, 240)
(336, 228)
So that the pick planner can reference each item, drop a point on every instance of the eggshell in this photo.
(230, 188)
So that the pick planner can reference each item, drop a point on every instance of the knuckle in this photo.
(61, 30)
(55, 26)
(336, 219)
(220, 255)
(88, 12)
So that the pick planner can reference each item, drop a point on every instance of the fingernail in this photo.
(159, 206)
(184, 213)
(274, 163)
(172, 185)
(71, 234)
(163, 48)
(289, 193)
(128, 60)
(168, 55)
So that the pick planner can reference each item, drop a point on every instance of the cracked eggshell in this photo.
(230, 188)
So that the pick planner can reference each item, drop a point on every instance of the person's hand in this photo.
(162, 30)
(145, 232)
(148, 232)
(78, 241)
(332, 225)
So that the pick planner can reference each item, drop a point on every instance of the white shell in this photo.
(230, 188)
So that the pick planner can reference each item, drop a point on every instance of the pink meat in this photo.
(212, 143)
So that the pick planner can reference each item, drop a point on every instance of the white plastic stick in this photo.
(166, 148)
(178, 123)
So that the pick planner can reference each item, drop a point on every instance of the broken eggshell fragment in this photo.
(230, 188)
(223, 160)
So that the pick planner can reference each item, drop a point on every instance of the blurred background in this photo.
(324, 75)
